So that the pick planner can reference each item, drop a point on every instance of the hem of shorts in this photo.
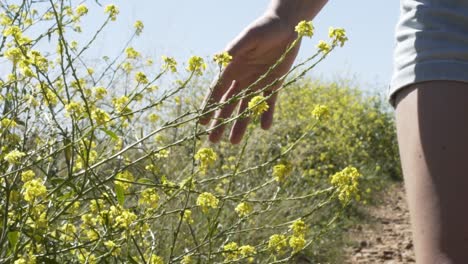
(428, 71)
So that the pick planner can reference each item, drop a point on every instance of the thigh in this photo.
(432, 127)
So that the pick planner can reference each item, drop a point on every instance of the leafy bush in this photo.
(104, 165)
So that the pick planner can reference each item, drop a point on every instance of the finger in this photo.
(267, 118)
(224, 113)
(220, 86)
(240, 126)
(238, 48)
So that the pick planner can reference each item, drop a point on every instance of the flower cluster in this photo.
(243, 209)
(196, 65)
(222, 59)
(338, 36)
(281, 171)
(138, 27)
(320, 111)
(323, 47)
(33, 189)
(258, 105)
(207, 157)
(169, 64)
(305, 29)
(207, 200)
(347, 182)
(112, 10)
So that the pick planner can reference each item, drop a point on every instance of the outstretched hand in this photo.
(254, 51)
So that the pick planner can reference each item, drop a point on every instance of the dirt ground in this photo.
(387, 239)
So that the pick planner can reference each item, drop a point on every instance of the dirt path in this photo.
(388, 238)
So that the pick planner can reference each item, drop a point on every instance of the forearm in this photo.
(296, 10)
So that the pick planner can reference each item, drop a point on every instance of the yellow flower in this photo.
(338, 36)
(155, 259)
(100, 116)
(125, 219)
(187, 260)
(14, 156)
(258, 105)
(243, 209)
(112, 10)
(100, 92)
(206, 200)
(231, 251)
(138, 27)
(297, 243)
(124, 179)
(323, 47)
(81, 10)
(207, 157)
(223, 59)
(346, 183)
(169, 64)
(8, 123)
(132, 53)
(298, 227)
(277, 243)
(196, 65)
(27, 175)
(149, 197)
(281, 171)
(140, 77)
(33, 189)
(247, 250)
(187, 217)
(305, 28)
(320, 111)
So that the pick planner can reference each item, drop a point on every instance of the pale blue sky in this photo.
(182, 28)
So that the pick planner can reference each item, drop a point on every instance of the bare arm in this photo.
(295, 11)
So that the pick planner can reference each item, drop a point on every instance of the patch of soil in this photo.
(387, 237)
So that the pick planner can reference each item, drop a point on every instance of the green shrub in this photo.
(103, 165)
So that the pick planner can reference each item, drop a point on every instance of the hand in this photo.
(254, 51)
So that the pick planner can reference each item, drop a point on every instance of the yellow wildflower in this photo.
(138, 27)
(338, 36)
(14, 156)
(258, 105)
(112, 10)
(196, 64)
(320, 111)
(187, 217)
(297, 243)
(81, 10)
(132, 53)
(149, 197)
(323, 47)
(298, 227)
(206, 200)
(33, 189)
(169, 64)
(140, 77)
(223, 59)
(277, 243)
(281, 171)
(305, 28)
(207, 157)
(27, 175)
(231, 251)
(346, 183)
(243, 209)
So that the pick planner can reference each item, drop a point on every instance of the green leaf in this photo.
(120, 192)
(110, 134)
(13, 238)
(145, 181)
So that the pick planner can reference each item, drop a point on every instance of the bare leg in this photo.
(432, 126)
